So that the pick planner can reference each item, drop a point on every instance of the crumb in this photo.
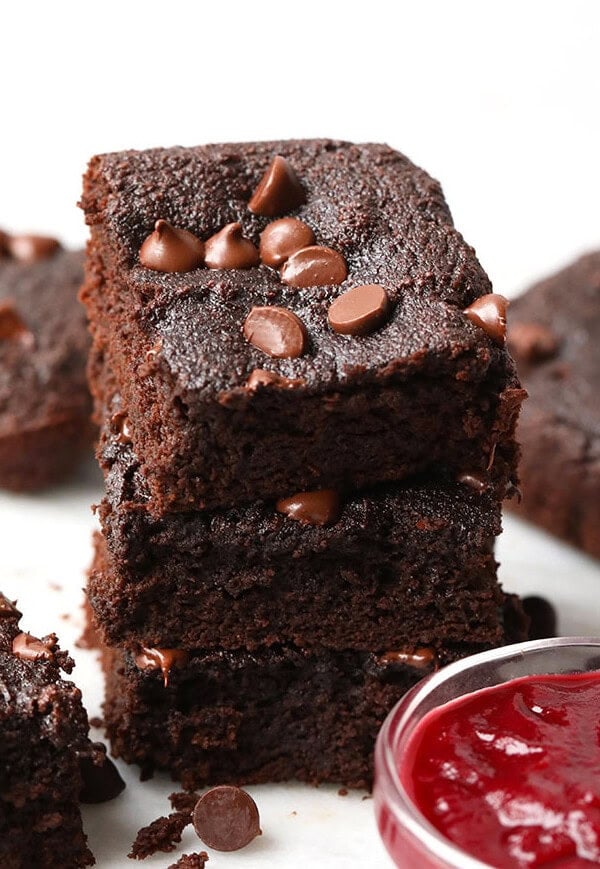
(343, 792)
(54, 586)
(294, 813)
(367, 797)
(161, 835)
(96, 721)
(65, 616)
(191, 861)
(183, 801)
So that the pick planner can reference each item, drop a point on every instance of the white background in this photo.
(499, 100)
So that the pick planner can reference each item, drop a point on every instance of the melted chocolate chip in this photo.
(489, 313)
(276, 331)
(30, 648)
(314, 266)
(100, 783)
(161, 659)
(168, 249)
(360, 310)
(119, 423)
(260, 377)
(228, 249)
(7, 609)
(479, 482)
(282, 238)
(312, 508)
(12, 325)
(542, 617)
(420, 658)
(532, 342)
(226, 818)
(278, 191)
(32, 248)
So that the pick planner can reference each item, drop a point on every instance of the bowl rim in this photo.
(396, 798)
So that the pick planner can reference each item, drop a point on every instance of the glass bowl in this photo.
(409, 838)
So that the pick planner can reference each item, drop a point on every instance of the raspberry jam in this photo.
(511, 774)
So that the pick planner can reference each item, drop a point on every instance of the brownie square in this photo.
(555, 336)
(46, 757)
(45, 405)
(401, 565)
(428, 388)
(272, 715)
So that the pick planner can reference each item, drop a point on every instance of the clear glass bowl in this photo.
(410, 839)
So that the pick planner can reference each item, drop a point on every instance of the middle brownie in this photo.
(401, 565)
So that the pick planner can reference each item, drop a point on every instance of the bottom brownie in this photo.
(47, 763)
(282, 713)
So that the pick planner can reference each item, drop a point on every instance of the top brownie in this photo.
(396, 382)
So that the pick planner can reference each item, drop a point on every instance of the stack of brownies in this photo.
(307, 416)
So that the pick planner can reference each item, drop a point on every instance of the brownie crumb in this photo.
(343, 792)
(191, 861)
(163, 834)
(183, 801)
(96, 721)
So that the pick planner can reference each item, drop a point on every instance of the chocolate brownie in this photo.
(241, 382)
(45, 405)
(47, 763)
(281, 713)
(555, 336)
(394, 565)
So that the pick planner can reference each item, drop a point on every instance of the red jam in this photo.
(511, 774)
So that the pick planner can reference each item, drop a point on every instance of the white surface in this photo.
(498, 99)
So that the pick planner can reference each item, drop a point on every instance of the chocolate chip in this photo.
(226, 818)
(119, 424)
(479, 482)
(489, 313)
(314, 266)
(228, 249)
(100, 783)
(260, 377)
(168, 249)
(278, 191)
(542, 615)
(32, 248)
(360, 310)
(312, 508)
(161, 659)
(276, 331)
(532, 342)
(420, 658)
(12, 325)
(282, 238)
(7, 609)
(29, 648)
